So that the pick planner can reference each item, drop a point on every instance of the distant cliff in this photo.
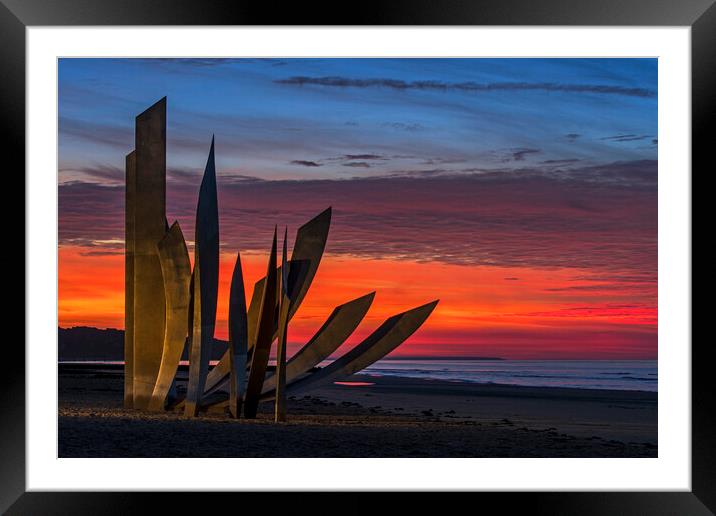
(86, 343)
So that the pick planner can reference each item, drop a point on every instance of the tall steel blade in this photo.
(206, 283)
(148, 207)
(176, 273)
(129, 202)
(280, 405)
(264, 337)
(238, 339)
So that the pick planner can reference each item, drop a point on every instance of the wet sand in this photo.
(393, 417)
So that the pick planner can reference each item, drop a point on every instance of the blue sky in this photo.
(344, 118)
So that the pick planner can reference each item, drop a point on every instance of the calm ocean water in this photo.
(582, 374)
(631, 375)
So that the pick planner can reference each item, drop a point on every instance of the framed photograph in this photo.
(423, 248)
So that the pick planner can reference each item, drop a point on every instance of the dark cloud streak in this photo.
(305, 163)
(625, 138)
(519, 154)
(470, 87)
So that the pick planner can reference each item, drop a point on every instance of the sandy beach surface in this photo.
(390, 417)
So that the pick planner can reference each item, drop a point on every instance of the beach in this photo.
(368, 416)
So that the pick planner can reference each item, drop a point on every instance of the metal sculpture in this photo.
(284, 304)
(264, 337)
(167, 304)
(305, 258)
(148, 207)
(129, 196)
(205, 281)
(176, 273)
(338, 327)
(238, 339)
(308, 249)
(382, 341)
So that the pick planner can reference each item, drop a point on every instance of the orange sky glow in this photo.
(509, 312)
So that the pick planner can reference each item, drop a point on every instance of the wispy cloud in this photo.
(469, 86)
(359, 156)
(519, 154)
(208, 62)
(104, 173)
(561, 161)
(118, 137)
(200, 62)
(625, 138)
(508, 155)
(305, 163)
(412, 127)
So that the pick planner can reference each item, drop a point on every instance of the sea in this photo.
(628, 375)
(637, 375)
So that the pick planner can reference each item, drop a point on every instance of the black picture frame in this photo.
(700, 15)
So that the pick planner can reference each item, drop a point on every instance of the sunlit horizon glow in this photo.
(529, 211)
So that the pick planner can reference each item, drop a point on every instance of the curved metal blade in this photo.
(264, 338)
(238, 339)
(284, 305)
(382, 341)
(206, 285)
(338, 327)
(176, 273)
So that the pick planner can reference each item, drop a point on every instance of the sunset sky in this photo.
(520, 192)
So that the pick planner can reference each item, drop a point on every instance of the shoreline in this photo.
(388, 417)
(542, 388)
(117, 366)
